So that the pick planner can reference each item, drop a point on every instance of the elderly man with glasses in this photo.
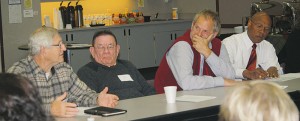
(250, 54)
(121, 76)
(60, 88)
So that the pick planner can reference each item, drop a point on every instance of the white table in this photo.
(155, 107)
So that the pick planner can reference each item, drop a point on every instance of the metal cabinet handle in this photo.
(67, 37)
(72, 37)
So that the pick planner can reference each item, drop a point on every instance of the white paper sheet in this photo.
(14, 13)
(281, 79)
(12, 2)
(283, 87)
(194, 98)
(286, 77)
(28, 13)
(291, 75)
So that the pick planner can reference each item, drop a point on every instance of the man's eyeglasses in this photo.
(101, 47)
(261, 26)
(60, 44)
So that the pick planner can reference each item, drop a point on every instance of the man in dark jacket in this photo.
(292, 50)
(120, 76)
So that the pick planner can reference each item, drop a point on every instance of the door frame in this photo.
(1, 43)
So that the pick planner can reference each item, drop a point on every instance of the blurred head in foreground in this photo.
(258, 101)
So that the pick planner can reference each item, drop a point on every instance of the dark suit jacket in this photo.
(292, 47)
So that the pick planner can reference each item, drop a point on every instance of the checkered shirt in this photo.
(62, 79)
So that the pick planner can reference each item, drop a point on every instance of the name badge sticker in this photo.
(125, 77)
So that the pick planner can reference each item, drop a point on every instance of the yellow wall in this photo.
(90, 7)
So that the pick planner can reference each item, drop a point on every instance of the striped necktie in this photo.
(252, 60)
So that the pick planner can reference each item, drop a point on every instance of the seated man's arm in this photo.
(180, 60)
(84, 96)
(268, 64)
(234, 53)
(221, 65)
(88, 76)
(147, 89)
(271, 61)
(80, 92)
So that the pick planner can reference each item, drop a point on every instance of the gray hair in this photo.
(208, 14)
(42, 37)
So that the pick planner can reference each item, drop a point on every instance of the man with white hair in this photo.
(60, 88)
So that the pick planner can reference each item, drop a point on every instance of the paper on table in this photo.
(194, 98)
(291, 75)
(281, 79)
(286, 77)
(283, 87)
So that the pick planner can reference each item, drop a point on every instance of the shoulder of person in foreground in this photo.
(20, 100)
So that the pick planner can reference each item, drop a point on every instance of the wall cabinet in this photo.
(166, 35)
(78, 57)
(83, 36)
(162, 41)
(136, 45)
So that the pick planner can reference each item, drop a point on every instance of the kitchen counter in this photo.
(127, 25)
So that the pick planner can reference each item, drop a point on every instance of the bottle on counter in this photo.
(78, 15)
(123, 19)
(130, 19)
(116, 18)
(70, 15)
(174, 13)
(139, 17)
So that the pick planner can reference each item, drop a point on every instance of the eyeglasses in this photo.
(60, 44)
(260, 26)
(101, 47)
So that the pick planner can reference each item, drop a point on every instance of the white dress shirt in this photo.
(239, 47)
(180, 60)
